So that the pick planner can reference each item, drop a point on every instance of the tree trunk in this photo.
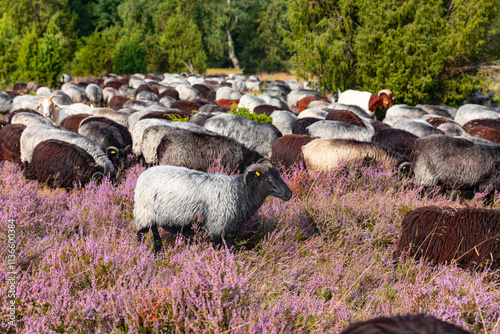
(230, 45)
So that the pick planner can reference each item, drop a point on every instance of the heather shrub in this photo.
(313, 264)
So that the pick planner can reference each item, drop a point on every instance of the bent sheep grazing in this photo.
(60, 164)
(287, 150)
(322, 155)
(469, 236)
(176, 197)
(10, 142)
(456, 163)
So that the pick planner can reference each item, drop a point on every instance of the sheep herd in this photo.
(87, 130)
(84, 131)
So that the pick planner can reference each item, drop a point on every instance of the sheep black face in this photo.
(266, 178)
(118, 157)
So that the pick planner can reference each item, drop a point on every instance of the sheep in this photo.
(75, 92)
(265, 109)
(43, 91)
(352, 108)
(5, 103)
(229, 104)
(117, 116)
(294, 84)
(454, 130)
(27, 117)
(169, 115)
(491, 123)
(437, 121)
(127, 91)
(366, 100)
(408, 324)
(199, 150)
(117, 101)
(65, 78)
(253, 84)
(277, 88)
(187, 93)
(72, 123)
(147, 96)
(213, 108)
(456, 163)
(124, 133)
(227, 93)
(10, 139)
(255, 136)
(397, 140)
(300, 126)
(176, 197)
(37, 133)
(304, 102)
(469, 236)
(52, 111)
(141, 126)
(94, 93)
(468, 112)
(25, 102)
(345, 116)
(283, 120)
(250, 101)
(200, 118)
(443, 111)
(418, 127)
(298, 94)
(340, 130)
(275, 101)
(287, 150)
(109, 138)
(170, 92)
(402, 111)
(316, 113)
(186, 106)
(108, 93)
(322, 155)
(61, 164)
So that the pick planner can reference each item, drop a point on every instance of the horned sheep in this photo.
(469, 236)
(176, 197)
(366, 100)
(61, 164)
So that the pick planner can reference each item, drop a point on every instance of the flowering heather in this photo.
(313, 264)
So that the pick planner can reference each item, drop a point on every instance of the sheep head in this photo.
(49, 106)
(387, 98)
(266, 178)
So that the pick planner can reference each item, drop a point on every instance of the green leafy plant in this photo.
(244, 112)
(130, 57)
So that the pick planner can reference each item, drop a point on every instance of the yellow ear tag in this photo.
(257, 174)
(113, 152)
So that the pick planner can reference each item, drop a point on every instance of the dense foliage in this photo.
(313, 264)
(425, 52)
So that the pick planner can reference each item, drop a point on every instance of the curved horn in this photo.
(265, 161)
(386, 92)
(52, 96)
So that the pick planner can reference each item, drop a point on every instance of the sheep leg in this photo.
(140, 234)
(157, 238)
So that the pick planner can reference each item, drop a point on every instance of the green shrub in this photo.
(244, 112)
(94, 57)
(130, 57)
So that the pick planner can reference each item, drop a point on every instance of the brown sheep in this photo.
(61, 164)
(10, 142)
(287, 150)
(485, 132)
(437, 121)
(407, 324)
(146, 88)
(186, 106)
(469, 236)
(489, 122)
(113, 84)
(303, 103)
(172, 92)
(265, 109)
(231, 104)
(346, 117)
(117, 101)
(168, 115)
(206, 92)
(300, 126)
(72, 123)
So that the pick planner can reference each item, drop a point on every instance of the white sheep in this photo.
(176, 197)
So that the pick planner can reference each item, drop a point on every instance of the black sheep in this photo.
(299, 127)
(287, 150)
(10, 142)
(61, 164)
(470, 236)
(396, 140)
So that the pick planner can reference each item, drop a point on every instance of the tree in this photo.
(130, 57)
(425, 52)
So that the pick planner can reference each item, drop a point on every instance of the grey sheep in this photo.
(284, 120)
(468, 112)
(198, 150)
(75, 92)
(94, 93)
(176, 197)
(255, 136)
(456, 163)
(340, 130)
(419, 128)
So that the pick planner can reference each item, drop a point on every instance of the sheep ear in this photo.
(250, 175)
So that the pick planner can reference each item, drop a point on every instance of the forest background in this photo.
(435, 51)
